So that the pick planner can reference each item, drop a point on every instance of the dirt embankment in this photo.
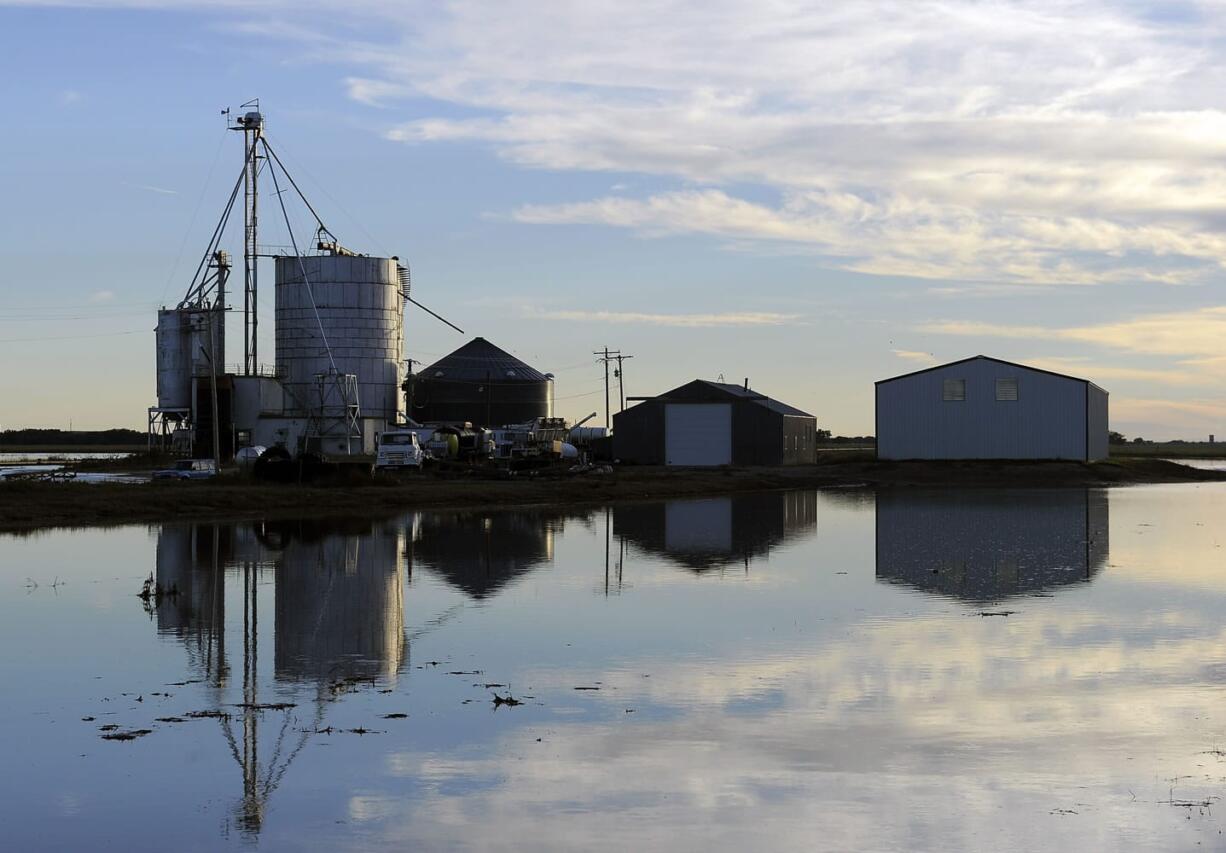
(33, 505)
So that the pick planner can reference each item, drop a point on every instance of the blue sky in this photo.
(809, 196)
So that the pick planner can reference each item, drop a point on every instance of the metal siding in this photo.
(799, 442)
(1096, 430)
(1047, 421)
(638, 434)
(757, 437)
(366, 341)
(698, 434)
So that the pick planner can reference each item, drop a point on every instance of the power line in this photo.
(607, 355)
(73, 337)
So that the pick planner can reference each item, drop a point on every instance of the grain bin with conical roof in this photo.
(483, 385)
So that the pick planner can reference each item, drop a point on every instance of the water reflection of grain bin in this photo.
(358, 302)
(340, 607)
(483, 385)
(480, 553)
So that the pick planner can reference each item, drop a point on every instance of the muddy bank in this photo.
(33, 505)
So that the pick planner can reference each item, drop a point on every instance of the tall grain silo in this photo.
(482, 384)
(359, 304)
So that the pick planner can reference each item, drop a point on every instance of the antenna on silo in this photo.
(251, 123)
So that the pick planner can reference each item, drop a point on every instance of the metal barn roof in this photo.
(479, 361)
(987, 358)
(739, 392)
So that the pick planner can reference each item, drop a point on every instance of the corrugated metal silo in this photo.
(361, 309)
(184, 350)
(481, 384)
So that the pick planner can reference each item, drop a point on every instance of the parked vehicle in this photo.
(188, 469)
(399, 450)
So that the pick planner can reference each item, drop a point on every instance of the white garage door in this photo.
(698, 434)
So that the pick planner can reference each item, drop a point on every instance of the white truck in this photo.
(399, 450)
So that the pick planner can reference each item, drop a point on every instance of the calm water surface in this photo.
(1018, 670)
(14, 457)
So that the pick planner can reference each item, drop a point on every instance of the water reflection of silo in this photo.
(190, 564)
(712, 533)
(340, 606)
(987, 545)
(480, 553)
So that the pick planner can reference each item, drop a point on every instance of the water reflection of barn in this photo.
(712, 533)
(982, 546)
(481, 552)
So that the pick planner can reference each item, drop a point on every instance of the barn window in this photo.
(1006, 389)
(953, 390)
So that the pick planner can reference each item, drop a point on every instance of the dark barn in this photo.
(482, 385)
(706, 423)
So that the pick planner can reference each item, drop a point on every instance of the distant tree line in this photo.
(824, 437)
(52, 437)
(1119, 438)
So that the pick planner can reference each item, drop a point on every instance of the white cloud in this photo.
(908, 239)
(1172, 417)
(994, 141)
(100, 296)
(734, 318)
(1038, 143)
(921, 358)
(150, 188)
(1196, 335)
(374, 93)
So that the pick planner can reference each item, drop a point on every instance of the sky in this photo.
(812, 196)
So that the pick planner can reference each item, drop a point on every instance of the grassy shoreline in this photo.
(29, 506)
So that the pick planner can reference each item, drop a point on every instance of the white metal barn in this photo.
(986, 408)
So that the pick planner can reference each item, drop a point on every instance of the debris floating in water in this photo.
(132, 734)
(208, 714)
(267, 706)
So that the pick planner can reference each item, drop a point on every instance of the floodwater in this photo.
(923, 670)
(13, 457)
(1207, 464)
(40, 463)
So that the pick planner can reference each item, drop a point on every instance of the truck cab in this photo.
(399, 450)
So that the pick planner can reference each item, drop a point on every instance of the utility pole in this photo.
(408, 387)
(621, 385)
(606, 356)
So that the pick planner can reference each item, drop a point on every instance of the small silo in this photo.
(358, 302)
(483, 385)
(185, 341)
